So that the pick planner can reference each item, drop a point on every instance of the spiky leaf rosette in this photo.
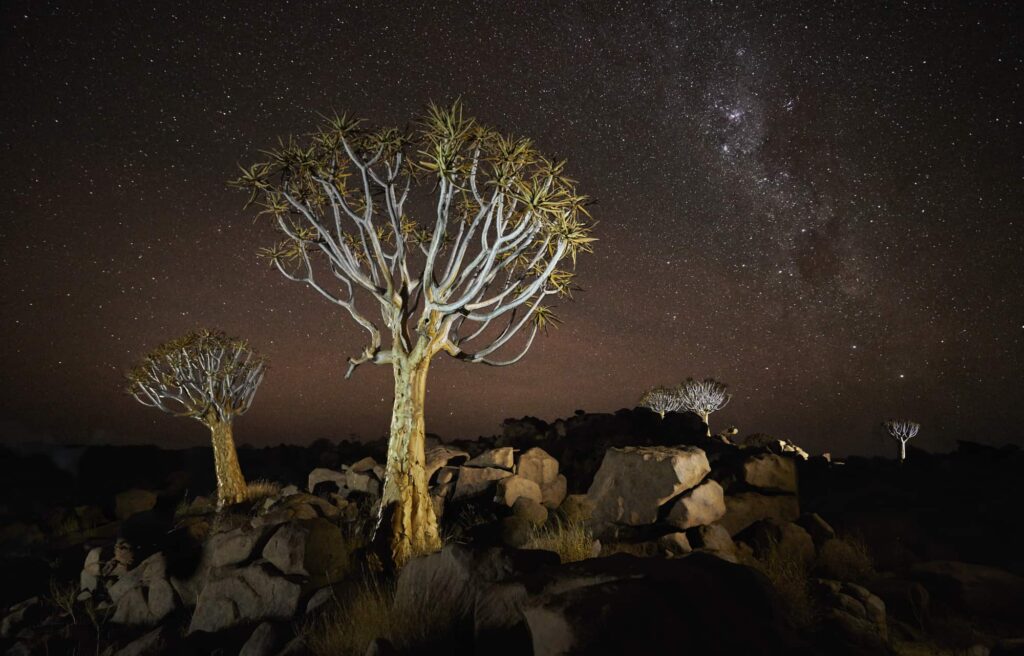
(204, 375)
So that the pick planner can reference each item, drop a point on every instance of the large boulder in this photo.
(536, 465)
(975, 589)
(770, 472)
(852, 616)
(325, 475)
(711, 538)
(553, 493)
(514, 487)
(231, 547)
(767, 534)
(704, 504)
(441, 456)
(502, 458)
(249, 594)
(143, 596)
(634, 482)
(742, 510)
(474, 481)
(134, 501)
(314, 548)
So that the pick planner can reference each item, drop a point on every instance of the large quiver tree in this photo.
(471, 281)
(702, 397)
(209, 377)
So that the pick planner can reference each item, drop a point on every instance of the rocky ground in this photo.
(597, 534)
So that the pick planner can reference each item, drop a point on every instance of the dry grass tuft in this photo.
(571, 540)
(261, 489)
(845, 559)
(790, 576)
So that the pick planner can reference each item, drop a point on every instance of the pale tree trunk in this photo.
(407, 520)
(230, 483)
(706, 417)
(903, 451)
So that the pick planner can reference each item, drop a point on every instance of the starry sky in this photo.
(817, 203)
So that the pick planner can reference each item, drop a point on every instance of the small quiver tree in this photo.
(503, 227)
(703, 397)
(661, 399)
(209, 377)
(902, 431)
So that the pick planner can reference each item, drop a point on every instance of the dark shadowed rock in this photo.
(515, 531)
(315, 548)
(819, 530)
(131, 502)
(976, 589)
(324, 475)
(713, 538)
(158, 642)
(143, 595)
(770, 472)
(473, 481)
(501, 458)
(634, 482)
(244, 595)
(530, 510)
(553, 493)
(509, 489)
(852, 615)
(742, 510)
(263, 641)
(767, 534)
(442, 456)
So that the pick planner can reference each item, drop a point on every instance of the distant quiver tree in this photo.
(902, 431)
(661, 399)
(472, 280)
(703, 397)
(209, 377)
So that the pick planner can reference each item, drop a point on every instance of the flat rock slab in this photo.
(473, 481)
(502, 458)
(770, 472)
(634, 482)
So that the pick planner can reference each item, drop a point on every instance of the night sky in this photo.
(819, 204)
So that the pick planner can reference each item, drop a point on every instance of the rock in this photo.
(91, 570)
(319, 598)
(905, 600)
(441, 456)
(770, 472)
(262, 642)
(633, 482)
(363, 482)
(231, 547)
(20, 615)
(788, 538)
(515, 531)
(473, 481)
(143, 596)
(713, 538)
(314, 548)
(553, 493)
(155, 643)
(742, 510)
(446, 475)
(530, 510)
(324, 475)
(576, 508)
(536, 465)
(381, 647)
(362, 466)
(514, 487)
(675, 544)
(244, 595)
(703, 505)
(501, 458)
(853, 615)
(819, 530)
(132, 502)
(975, 589)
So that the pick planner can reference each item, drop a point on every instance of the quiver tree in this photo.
(703, 397)
(902, 431)
(472, 280)
(209, 377)
(661, 399)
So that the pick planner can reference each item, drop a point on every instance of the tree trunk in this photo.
(903, 451)
(706, 417)
(230, 482)
(407, 521)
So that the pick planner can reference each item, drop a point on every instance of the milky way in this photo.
(819, 205)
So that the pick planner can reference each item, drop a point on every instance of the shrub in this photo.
(790, 576)
(844, 558)
(571, 540)
(261, 489)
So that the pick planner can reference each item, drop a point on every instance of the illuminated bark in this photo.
(230, 482)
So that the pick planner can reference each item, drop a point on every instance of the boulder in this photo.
(530, 510)
(446, 475)
(143, 596)
(324, 475)
(22, 614)
(363, 466)
(441, 456)
(975, 589)
(553, 493)
(712, 538)
(501, 458)
(770, 472)
(852, 615)
(634, 482)
(364, 481)
(819, 530)
(742, 510)
(474, 481)
(703, 505)
(576, 508)
(263, 641)
(788, 538)
(154, 643)
(515, 531)
(231, 547)
(514, 487)
(248, 594)
(315, 548)
(675, 544)
(132, 502)
(536, 465)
